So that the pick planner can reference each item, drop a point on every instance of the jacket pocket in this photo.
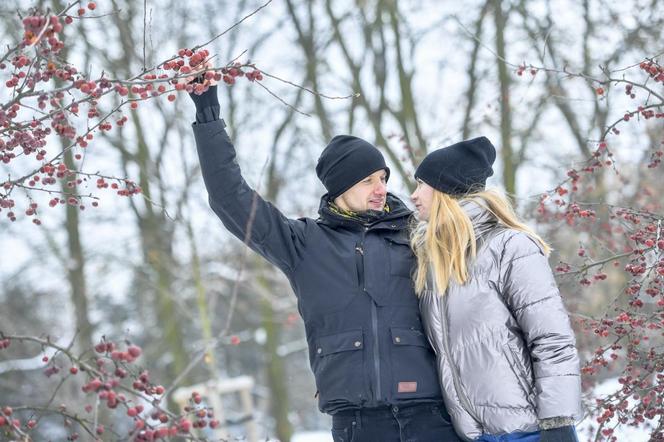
(401, 257)
(414, 372)
(523, 378)
(339, 368)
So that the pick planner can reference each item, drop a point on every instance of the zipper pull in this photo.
(359, 249)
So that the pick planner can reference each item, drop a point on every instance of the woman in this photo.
(507, 361)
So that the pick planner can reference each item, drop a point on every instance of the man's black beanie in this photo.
(345, 161)
(459, 168)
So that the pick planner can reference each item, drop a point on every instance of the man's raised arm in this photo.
(244, 213)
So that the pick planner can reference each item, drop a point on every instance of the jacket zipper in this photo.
(374, 325)
(465, 403)
(359, 249)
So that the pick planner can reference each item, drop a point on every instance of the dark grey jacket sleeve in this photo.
(268, 232)
(531, 293)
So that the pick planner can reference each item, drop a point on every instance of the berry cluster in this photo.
(32, 69)
(115, 382)
(625, 248)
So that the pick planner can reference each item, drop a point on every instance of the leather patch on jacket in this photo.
(407, 387)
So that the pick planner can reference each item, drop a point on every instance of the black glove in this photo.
(561, 434)
(207, 105)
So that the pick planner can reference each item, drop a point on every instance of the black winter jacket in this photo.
(367, 347)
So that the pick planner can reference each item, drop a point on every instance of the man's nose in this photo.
(380, 188)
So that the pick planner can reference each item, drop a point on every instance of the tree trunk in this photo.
(76, 265)
(276, 375)
(506, 148)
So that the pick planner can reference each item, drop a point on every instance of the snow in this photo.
(312, 436)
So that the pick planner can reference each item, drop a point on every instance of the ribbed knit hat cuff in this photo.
(352, 179)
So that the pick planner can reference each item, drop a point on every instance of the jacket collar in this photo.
(396, 218)
(482, 219)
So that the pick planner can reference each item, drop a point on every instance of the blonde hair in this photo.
(446, 244)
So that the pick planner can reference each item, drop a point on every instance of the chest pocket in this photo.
(401, 257)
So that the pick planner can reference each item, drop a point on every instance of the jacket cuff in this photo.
(207, 105)
(556, 422)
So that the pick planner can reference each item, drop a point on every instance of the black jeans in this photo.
(410, 423)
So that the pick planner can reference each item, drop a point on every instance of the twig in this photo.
(330, 97)
(145, 7)
(243, 261)
(282, 101)
(256, 11)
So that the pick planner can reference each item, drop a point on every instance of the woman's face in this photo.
(422, 198)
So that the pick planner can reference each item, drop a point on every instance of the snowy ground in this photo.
(312, 436)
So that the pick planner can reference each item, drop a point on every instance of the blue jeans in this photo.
(568, 434)
(511, 437)
(408, 423)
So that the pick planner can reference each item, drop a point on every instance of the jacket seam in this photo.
(506, 407)
(557, 376)
(523, 256)
(502, 264)
(305, 249)
(539, 301)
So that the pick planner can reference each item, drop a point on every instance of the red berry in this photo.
(134, 351)
(3, 421)
(171, 97)
(81, 11)
(185, 425)
(73, 370)
(92, 6)
(134, 105)
(7, 411)
(132, 412)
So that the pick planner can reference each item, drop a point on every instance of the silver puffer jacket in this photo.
(506, 351)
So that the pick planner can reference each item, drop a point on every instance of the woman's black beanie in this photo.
(459, 168)
(347, 160)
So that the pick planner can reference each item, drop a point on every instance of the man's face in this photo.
(368, 194)
(422, 198)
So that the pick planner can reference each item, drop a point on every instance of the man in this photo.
(350, 270)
